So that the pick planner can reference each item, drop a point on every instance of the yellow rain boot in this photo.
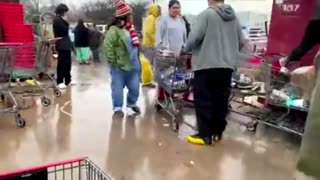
(197, 139)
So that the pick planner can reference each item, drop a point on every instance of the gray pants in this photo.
(149, 53)
(95, 53)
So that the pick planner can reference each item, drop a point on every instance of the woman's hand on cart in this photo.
(184, 53)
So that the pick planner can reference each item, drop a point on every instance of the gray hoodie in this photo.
(216, 39)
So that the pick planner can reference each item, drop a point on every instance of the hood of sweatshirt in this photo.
(226, 12)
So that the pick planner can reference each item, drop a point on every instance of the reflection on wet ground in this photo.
(80, 124)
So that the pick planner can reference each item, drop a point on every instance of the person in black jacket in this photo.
(311, 36)
(96, 39)
(81, 42)
(63, 46)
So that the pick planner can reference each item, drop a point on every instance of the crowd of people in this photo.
(84, 41)
(215, 41)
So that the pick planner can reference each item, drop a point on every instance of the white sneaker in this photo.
(73, 83)
(62, 86)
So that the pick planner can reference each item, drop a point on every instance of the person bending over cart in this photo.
(63, 46)
(309, 162)
(121, 50)
(215, 41)
(171, 34)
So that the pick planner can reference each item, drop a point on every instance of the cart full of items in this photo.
(174, 77)
(21, 60)
(269, 92)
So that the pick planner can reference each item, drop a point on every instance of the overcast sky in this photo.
(196, 6)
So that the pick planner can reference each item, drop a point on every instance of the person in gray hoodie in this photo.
(215, 41)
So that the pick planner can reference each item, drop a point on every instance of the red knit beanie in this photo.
(122, 8)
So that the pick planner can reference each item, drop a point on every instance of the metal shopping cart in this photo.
(174, 77)
(45, 65)
(21, 74)
(80, 168)
(5, 92)
(269, 100)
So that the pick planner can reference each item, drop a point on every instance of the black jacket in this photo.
(81, 36)
(96, 38)
(61, 30)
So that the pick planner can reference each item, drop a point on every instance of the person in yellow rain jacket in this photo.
(148, 41)
(149, 27)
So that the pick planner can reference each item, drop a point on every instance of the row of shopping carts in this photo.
(21, 77)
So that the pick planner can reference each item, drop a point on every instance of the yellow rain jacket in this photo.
(149, 26)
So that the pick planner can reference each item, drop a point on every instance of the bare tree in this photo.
(31, 8)
(100, 12)
(103, 11)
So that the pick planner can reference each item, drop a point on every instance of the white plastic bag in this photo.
(304, 79)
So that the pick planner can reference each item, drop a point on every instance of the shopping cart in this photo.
(282, 93)
(5, 92)
(269, 102)
(174, 77)
(22, 71)
(45, 67)
(80, 168)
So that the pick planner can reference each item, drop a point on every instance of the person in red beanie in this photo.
(121, 50)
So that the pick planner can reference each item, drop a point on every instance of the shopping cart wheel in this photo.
(45, 101)
(20, 121)
(253, 127)
(57, 93)
(158, 107)
(175, 125)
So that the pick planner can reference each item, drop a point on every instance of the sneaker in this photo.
(62, 86)
(118, 113)
(197, 139)
(87, 63)
(133, 111)
(72, 83)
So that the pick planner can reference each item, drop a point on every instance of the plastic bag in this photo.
(146, 70)
(304, 79)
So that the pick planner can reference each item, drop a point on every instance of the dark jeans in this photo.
(211, 93)
(95, 53)
(64, 67)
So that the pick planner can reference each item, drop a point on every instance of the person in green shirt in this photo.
(121, 50)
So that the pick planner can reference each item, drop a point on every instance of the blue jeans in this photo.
(121, 79)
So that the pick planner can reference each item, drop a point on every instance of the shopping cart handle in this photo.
(41, 167)
(10, 44)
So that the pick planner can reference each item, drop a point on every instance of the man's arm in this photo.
(198, 32)
(240, 36)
